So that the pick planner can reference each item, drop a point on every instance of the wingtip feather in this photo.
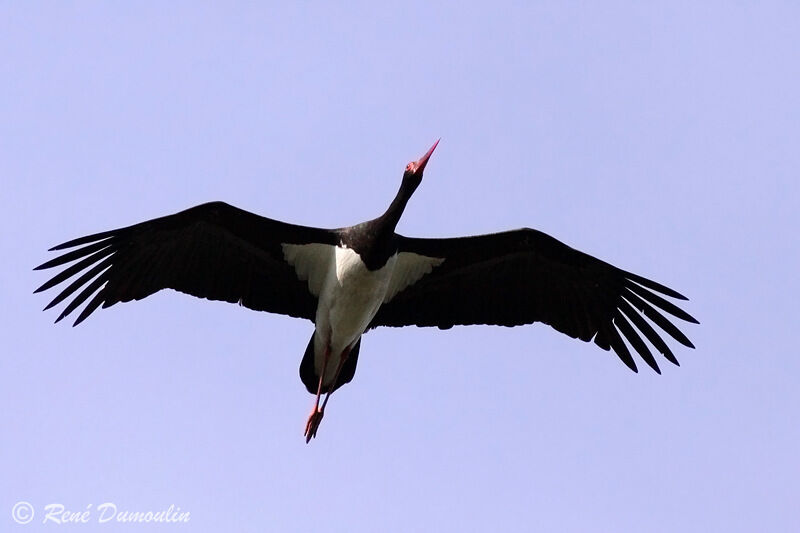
(655, 286)
(83, 240)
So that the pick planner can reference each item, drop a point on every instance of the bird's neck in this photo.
(395, 210)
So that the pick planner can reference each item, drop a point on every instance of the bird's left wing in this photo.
(214, 251)
(525, 276)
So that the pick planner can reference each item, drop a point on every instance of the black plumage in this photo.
(525, 276)
(213, 251)
(219, 252)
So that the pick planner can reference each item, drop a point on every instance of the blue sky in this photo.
(662, 138)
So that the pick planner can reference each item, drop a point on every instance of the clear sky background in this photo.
(661, 138)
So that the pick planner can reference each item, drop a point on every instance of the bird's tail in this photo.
(308, 372)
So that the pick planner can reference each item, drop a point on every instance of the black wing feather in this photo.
(214, 251)
(525, 276)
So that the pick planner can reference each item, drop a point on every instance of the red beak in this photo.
(424, 159)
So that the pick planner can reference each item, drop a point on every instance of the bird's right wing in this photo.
(214, 251)
(525, 276)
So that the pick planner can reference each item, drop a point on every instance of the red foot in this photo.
(313, 424)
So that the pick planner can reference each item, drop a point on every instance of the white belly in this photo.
(350, 297)
(349, 294)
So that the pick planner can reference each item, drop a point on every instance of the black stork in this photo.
(352, 279)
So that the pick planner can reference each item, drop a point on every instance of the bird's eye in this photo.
(409, 167)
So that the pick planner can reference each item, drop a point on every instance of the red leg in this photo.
(336, 376)
(316, 415)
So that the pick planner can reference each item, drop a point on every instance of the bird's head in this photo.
(414, 170)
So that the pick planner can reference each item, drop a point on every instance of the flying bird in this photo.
(352, 279)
